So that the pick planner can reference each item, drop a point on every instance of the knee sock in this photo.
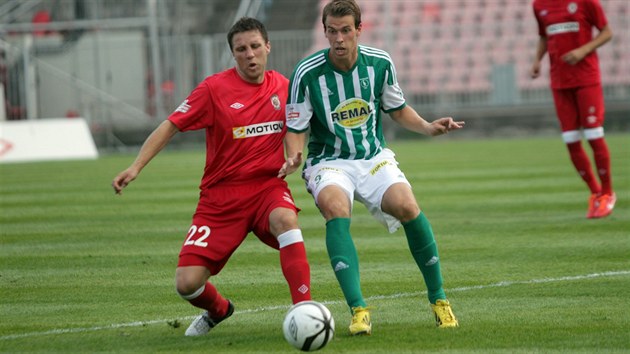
(344, 260)
(424, 251)
(583, 166)
(601, 156)
(294, 265)
(208, 298)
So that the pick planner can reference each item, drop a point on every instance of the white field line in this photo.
(285, 307)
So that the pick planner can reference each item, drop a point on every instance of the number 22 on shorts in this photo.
(195, 231)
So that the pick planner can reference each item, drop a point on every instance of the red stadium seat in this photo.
(452, 45)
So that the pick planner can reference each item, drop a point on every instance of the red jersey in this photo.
(568, 24)
(244, 122)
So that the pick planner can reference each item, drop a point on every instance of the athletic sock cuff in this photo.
(338, 222)
(290, 237)
(193, 295)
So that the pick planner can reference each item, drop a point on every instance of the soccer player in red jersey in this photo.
(566, 33)
(242, 110)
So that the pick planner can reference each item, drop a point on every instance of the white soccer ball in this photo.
(308, 326)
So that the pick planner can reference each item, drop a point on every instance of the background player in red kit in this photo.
(242, 111)
(565, 28)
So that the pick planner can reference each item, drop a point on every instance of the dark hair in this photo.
(246, 24)
(341, 8)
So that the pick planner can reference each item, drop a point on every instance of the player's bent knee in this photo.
(404, 210)
(282, 219)
(408, 213)
(187, 294)
(333, 202)
(189, 290)
(188, 283)
(334, 209)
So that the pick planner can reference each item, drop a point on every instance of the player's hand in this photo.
(123, 179)
(573, 57)
(445, 125)
(534, 72)
(290, 165)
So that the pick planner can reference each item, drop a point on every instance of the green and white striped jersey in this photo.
(343, 109)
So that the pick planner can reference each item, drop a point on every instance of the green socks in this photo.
(344, 260)
(424, 251)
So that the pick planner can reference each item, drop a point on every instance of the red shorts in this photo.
(226, 214)
(580, 107)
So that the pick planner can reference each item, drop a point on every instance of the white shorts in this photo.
(363, 180)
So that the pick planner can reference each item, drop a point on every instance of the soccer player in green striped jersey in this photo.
(337, 95)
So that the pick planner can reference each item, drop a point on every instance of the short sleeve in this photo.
(299, 109)
(194, 112)
(393, 98)
(596, 14)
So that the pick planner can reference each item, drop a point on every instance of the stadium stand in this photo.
(466, 45)
(466, 58)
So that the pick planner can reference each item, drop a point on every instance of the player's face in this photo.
(250, 52)
(343, 38)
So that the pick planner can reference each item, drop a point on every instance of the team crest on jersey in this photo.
(351, 113)
(572, 7)
(275, 101)
(365, 83)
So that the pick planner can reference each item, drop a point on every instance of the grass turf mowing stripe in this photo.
(285, 307)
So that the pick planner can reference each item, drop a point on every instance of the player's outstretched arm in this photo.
(411, 120)
(158, 139)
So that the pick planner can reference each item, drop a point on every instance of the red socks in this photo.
(583, 166)
(296, 271)
(211, 300)
(295, 265)
(602, 161)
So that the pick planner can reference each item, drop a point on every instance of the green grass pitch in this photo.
(83, 270)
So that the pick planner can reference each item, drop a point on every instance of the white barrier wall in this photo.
(3, 115)
(46, 139)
